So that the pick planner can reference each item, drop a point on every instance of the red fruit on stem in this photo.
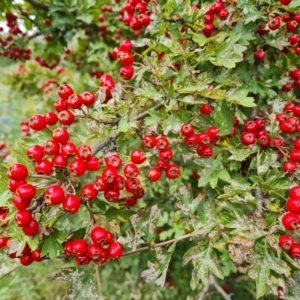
(71, 204)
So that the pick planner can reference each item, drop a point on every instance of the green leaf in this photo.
(7, 265)
(191, 89)
(240, 97)
(85, 18)
(52, 244)
(224, 117)
(3, 182)
(20, 154)
(83, 284)
(4, 197)
(123, 125)
(240, 154)
(122, 214)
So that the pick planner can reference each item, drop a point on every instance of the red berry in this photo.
(66, 117)
(162, 143)
(131, 170)
(125, 58)
(205, 109)
(126, 72)
(36, 255)
(43, 167)
(126, 45)
(131, 201)
(113, 161)
(75, 101)
(132, 184)
(68, 149)
(60, 135)
(35, 153)
(289, 166)
(144, 19)
(187, 129)
(60, 105)
(264, 140)
(107, 82)
(77, 168)
(208, 18)
(32, 228)
(294, 192)
(88, 98)
(274, 23)
(203, 138)
(287, 87)
(37, 123)
(3, 242)
(295, 252)
(172, 171)
(79, 247)
(191, 141)
(149, 141)
(98, 234)
(135, 24)
(115, 250)
(138, 156)
(68, 248)
(88, 192)
(64, 91)
(291, 25)
(208, 29)
(54, 195)
(166, 155)
(250, 126)
(93, 164)
(223, 14)
(213, 132)
(291, 221)
(112, 195)
(26, 191)
(84, 152)
(50, 118)
(248, 138)
(17, 172)
(51, 147)
(285, 2)
(294, 39)
(23, 218)
(119, 183)
(26, 260)
(19, 203)
(259, 55)
(71, 204)
(285, 242)
(154, 174)
(293, 205)
(287, 127)
(100, 184)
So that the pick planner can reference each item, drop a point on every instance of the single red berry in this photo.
(172, 171)
(75, 101)
(264, 140)
(290, 221)
(60, 135)
(68, 248)
(162, 143)
(248, 138)
(250, 126)
(285, 2)
(36, 255)
(203, 138)
(294, 39)
(295, 155)
(51, 147)
(23, 218)
(126, 45)
(93, 164)
(88, 192)
(131, 170)
(14, 184)
(289, 107)
(43, 167)
(138, 156)
(149, 141)
(295, 192)
(126, 72)
(35, 153)
(26, 260)
(191, 141)
(130, 201)
(154, 174)
(113, 161)
(84, 152)
(293, 205)
(295, 252)
(77, 168)
(187, 129)
(88, 98)
(141, 8)
(166, 155)
(60, 105)
(205, 151)
(285, 242)
(65, 91)
(208, 29)
(125, 58)
(19, 203)
(31, 229)
(71, 204)
(100, 184)
(295, 74)
(259, 55)
(47, 22)
(208, 18)
(94, 251)
(112, 195)
(287, 87)
(274, 23)
(223, 14)
(291, 25)
(135, 24)
(132, 184)
(79, 247)
(119, 183)
(107, 82)
(3, 242)
(98, 234)
(54, 195)
(50, 118)
(289, 166)
(37, 123)
(115, 52)
(26, 191)
(145, 20)
(66, 117)
(68, 149)
(213, 132)
(287, 127)
(205, 109)
(59, 161)
(115, 250)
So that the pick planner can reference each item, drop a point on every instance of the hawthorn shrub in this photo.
(157, 153)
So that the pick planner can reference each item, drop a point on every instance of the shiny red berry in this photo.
(131, 170)
(26, 191)
(68, 149)
(93, 164)
(37, 123)
(64, 91)
(79, 247)
(100, 184)
(113, 161)
(154, 174)
(71, 204)
(205, 109)
(115, 250)
(66, 117)
(43, 167)
(88, 192)
(88, 98)
(51, 118)
(98, 234)
(54, 195)
(126, 72)
(248, 138)
(60, 135)
(149, 141)
(138, 156)
(51, 147)
(77, 168)
(112, 195)
(14, 184)
(31, 229)
(35, 153)
(23, 218)
(290, 221)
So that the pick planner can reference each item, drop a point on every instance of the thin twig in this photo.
(219, 288)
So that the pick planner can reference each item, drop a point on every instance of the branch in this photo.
(138, 117)
(37, 4)
(37, 202)
(218, 288)
(184, 237)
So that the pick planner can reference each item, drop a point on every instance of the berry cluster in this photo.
(164, 159)
(102, 247)
(122, 54)
(25, 128)
(215, 10)
(46, 86)
(291, 221)
(135, 14)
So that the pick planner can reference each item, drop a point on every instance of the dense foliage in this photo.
(150, 149)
